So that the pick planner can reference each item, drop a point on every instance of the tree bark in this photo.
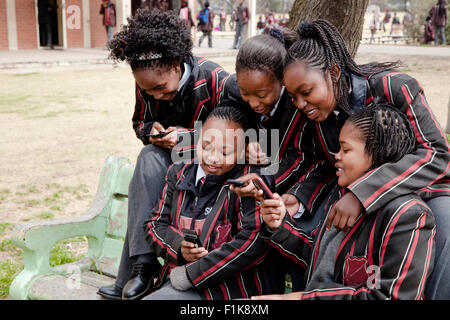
(346, 15)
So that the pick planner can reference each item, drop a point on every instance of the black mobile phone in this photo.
(191, 236)
(159, 135)
(235, 182)
(261, 185)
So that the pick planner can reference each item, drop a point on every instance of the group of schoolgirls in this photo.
(360, 190)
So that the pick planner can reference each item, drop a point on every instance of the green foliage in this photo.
(8, 270)
(63, 252)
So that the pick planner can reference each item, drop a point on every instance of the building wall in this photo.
(74, 24)
(26, 24)
(3, 26)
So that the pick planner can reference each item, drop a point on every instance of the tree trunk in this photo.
(346, 15)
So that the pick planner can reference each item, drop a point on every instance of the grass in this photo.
(64, 251)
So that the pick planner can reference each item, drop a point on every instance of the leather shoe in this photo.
(110, 292)
(141, 281)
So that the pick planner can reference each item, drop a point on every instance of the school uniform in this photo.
(288, 156)
(424, 171)
(227, 225)
(386, 255)
(198, 91)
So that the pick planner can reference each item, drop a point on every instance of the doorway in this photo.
(50, 22)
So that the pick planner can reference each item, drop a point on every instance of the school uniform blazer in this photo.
(291, 124)
(425, 170)
(197, 98)
(230, 233)
(386, 255)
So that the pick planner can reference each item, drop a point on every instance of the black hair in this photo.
(322, 47)
(441, 4)
(152, 39)
(387, 132)
(229, 113)
(206, 4)
(266, 52)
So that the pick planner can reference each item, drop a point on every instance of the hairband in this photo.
(306, 30)
(278, 34)
(149, 56)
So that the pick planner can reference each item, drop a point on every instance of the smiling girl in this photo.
(386, 255)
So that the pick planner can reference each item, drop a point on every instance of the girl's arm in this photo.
(426, 165)
(245, 250)
(165, 239)
(141, 124)
(406, 258)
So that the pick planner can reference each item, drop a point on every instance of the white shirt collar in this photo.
(184, 78)
(200, 174)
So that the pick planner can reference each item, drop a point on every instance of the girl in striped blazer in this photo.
(173, 90)
(386, 255)
(228, 264)
(327, 86)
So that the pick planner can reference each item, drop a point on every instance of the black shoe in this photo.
(142, 281)
(110, 292)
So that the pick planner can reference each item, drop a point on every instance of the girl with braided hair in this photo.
(229, 261)
(327, 86)
(173, 90)
(386, 255)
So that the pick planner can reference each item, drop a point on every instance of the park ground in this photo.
(57, 126)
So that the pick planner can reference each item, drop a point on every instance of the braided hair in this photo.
(266, 52)
(152, 39)
(322, 47)
(387, 132)
(229, 113)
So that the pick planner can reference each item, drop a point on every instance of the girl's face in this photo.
(220, 145)
(259, 89)
(310, 90)
(352, 159)
(160, 82)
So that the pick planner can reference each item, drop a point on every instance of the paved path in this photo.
(222, 42)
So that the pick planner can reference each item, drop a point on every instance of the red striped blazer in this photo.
(425, 170)
(197, 98)
(386, 255)
(234, 266)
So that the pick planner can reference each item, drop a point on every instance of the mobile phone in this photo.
(261, 185)
(159, 135)
(235, 182)
(191, 236)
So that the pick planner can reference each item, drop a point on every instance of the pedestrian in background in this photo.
(438, 15)
(223, 19)
(108, 10)
(386, 19)
(45, 12)
(429, 31)
(242, 17)
(186, 15)
(205, 23)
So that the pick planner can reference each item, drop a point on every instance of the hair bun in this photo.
(306, 30)
(278, 34)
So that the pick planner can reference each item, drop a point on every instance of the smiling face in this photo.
(259, 89)
(220, 145)
(352, 160)
(310, 90)
(159, 82)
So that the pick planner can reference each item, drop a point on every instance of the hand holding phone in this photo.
(236, 183)
(261, 185)
(159, 135)
(191, 236)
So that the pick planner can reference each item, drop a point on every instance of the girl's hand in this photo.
(273, 212)
(254, 154)
(248, 190)
(288, 296)
(190, 253)
(171, 140)
(291, 203)
(344, 213)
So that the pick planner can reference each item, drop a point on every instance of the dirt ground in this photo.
(57, 127)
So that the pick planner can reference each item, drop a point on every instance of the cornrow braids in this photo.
(152, 39)
(387, 132)
(229, 113)
(322, 47)
(266, 52)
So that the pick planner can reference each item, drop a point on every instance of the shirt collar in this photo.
(185, 77)
(200, 174)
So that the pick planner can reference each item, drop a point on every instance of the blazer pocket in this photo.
(355, 270)
(222, 234)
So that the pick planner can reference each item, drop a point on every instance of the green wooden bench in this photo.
(104, 224)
